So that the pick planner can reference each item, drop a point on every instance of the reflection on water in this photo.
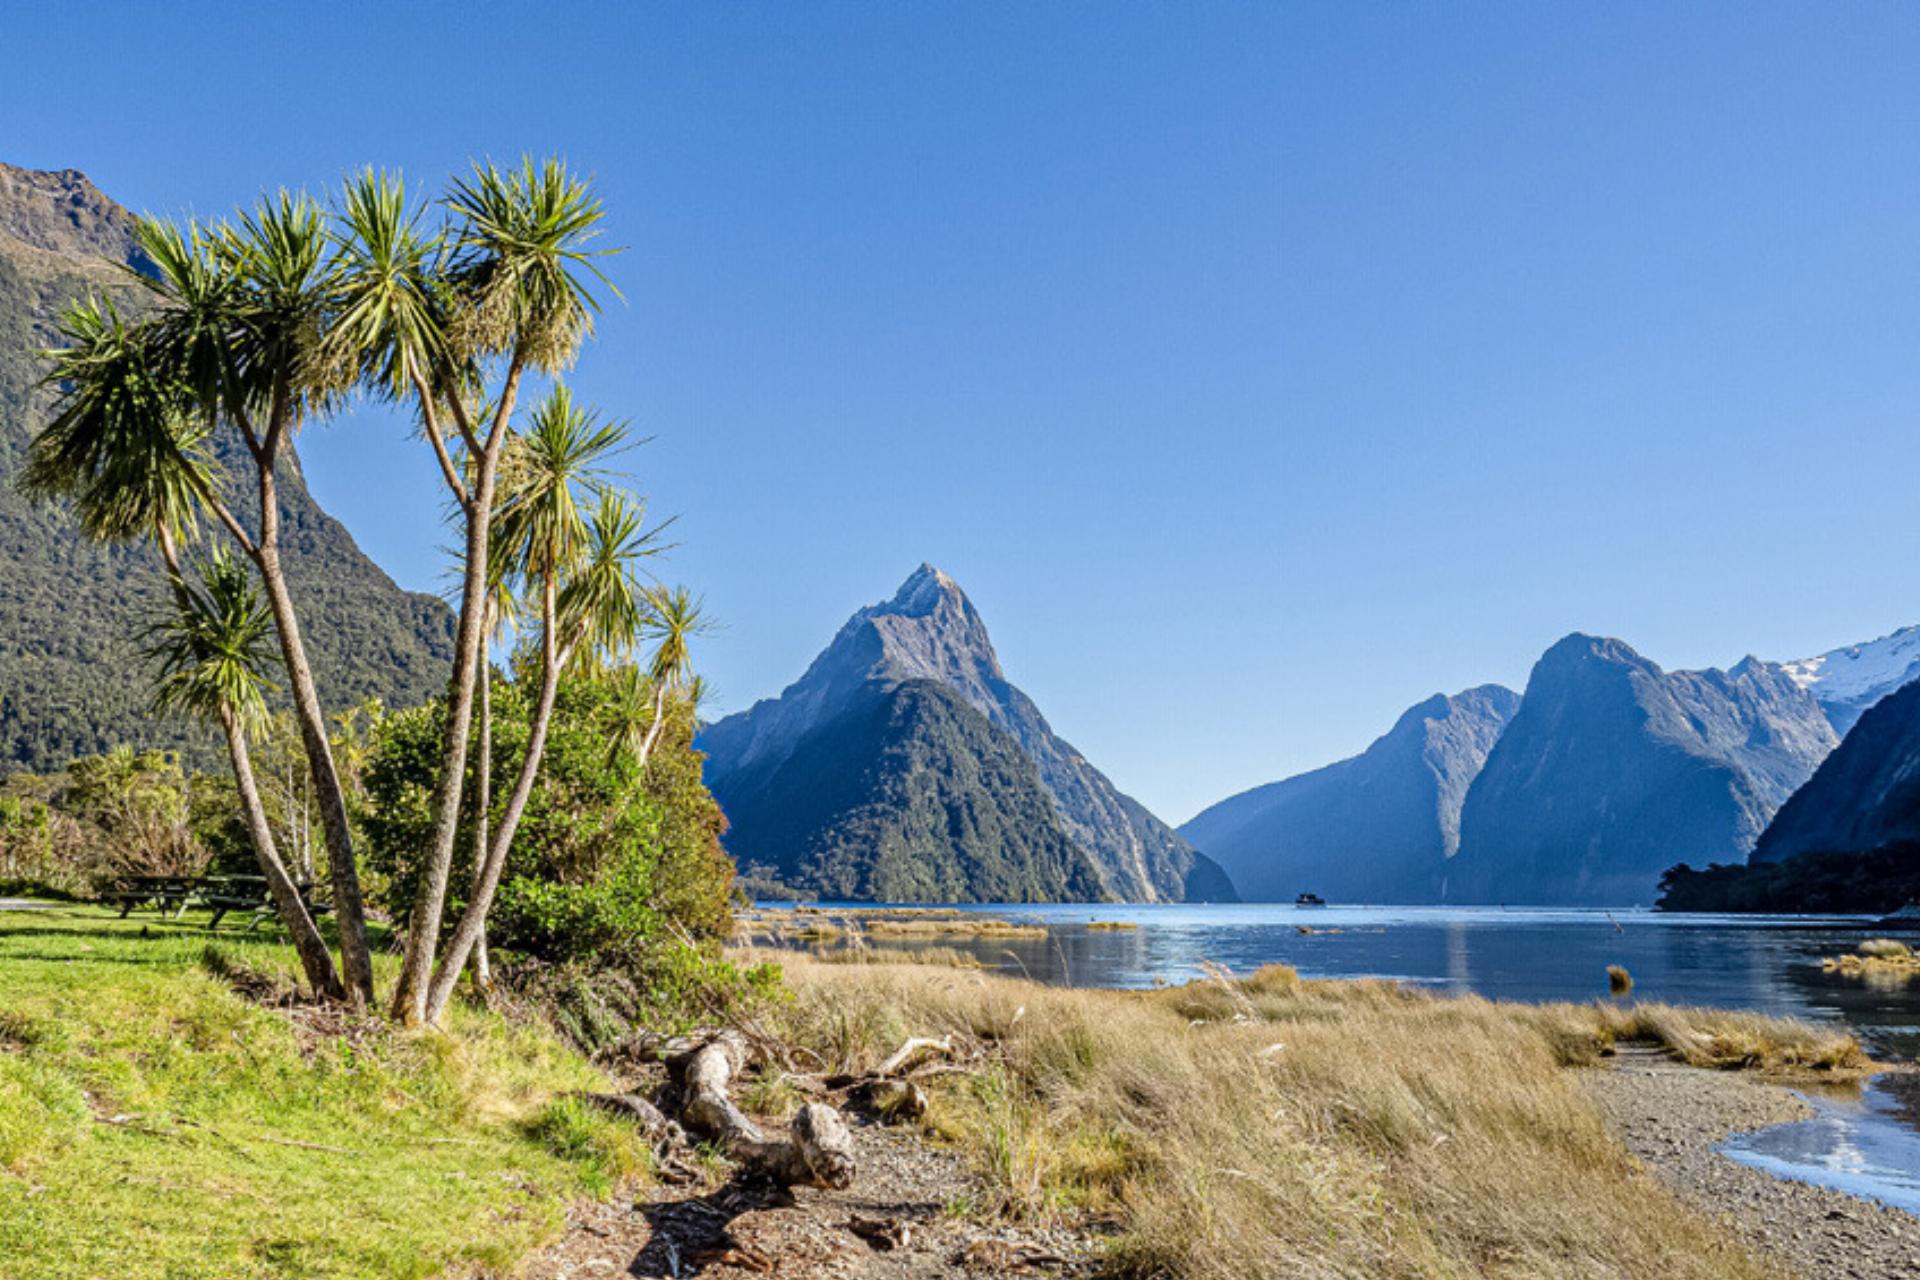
(1765, 963)
(1859, 1146)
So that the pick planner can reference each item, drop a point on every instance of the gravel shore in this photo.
(1673, 1116)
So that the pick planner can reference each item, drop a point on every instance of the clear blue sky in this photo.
(1258, 369)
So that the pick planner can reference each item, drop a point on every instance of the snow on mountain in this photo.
(1846, 681)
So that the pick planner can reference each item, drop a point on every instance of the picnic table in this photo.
(223, 895)
(226, 894)
(168, 894)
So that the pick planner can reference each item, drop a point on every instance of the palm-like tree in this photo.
(677, 617)
(231, 343)
(511, 295)
(577, 568)
(212, 652)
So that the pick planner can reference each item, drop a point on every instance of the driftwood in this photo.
(912, 1052)
(819, 1150)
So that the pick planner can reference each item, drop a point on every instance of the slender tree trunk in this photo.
(659, 723)
(348, 908)
(482, 968)
(473, 921)
(314, 956)
(429, 906)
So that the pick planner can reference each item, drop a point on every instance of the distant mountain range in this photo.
(1605, 773)
(1379, 827)
(1612, 770)
(71, 611)
(903, 765)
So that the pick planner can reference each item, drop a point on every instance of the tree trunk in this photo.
(482, 969)
(348, 908)
(314, 956)
(473, 921)
(659, 722)
(429, 905)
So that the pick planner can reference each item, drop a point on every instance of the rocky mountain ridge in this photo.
(929, 631)
(1852, 678)
(1613, 769)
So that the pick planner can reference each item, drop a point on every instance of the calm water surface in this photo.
(1771, 964)
(1766, 963)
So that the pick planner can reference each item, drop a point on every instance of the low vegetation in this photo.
(161, 1117)
(1268, 1125)
(1877, 958)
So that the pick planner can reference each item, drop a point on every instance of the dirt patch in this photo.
(910, 1215)
(1673, 1117)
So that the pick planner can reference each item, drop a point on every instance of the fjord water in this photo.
(1769, 964)
(1868, 1145)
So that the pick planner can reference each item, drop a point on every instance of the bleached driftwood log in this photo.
(912, 1052)
(820, 1149)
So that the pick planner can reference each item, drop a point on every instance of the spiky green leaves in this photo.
(216, 646)
(521, 262)
(549, 470)
(390, 300)
(677, 616)
(123, 445)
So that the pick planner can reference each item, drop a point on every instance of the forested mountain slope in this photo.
(71, 679)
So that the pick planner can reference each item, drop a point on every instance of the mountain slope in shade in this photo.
(930, 631)
(1612, 770)
(71, 679)
(1866, 795)
(1848, 680)
(908, 795)
(1375, 828)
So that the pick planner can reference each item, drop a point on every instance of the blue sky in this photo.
(1258, 369)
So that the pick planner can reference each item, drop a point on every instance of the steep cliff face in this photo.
(1375, 828)
(929, 631)
(1865, 796)
(1613, 770)
(71, 679)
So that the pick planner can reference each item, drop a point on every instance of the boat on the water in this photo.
(1309, 900)
(1907, 917)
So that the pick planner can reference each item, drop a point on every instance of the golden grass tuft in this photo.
(1619, 981)
(1268, 1125)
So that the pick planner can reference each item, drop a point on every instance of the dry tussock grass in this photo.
(1267, 1125)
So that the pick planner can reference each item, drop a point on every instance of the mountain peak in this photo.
(922, 593)
(61, 211)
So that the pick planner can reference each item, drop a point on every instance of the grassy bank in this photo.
(154, 1122)
(1270, 1126)
(163, 1114)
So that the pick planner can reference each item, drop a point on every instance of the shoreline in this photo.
(1673, 1118)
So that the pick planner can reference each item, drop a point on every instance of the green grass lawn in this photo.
(153, 1123)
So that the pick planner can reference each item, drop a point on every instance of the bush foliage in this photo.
(610, 860)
